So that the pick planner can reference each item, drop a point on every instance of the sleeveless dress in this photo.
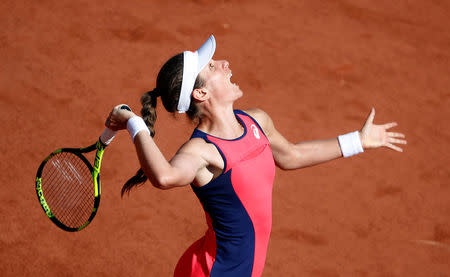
(238, 208)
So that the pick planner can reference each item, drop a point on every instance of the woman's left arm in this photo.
(289, 155)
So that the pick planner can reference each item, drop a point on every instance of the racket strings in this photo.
(68, 189)
(73, 205)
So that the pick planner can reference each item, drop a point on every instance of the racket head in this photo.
(68, 188)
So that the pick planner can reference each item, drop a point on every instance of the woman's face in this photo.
(217, 76)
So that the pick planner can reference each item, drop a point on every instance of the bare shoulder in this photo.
(198, 147)
(195, 146)
(262, 118)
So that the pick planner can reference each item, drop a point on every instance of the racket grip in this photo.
(108, 135)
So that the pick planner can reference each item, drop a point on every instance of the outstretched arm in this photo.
(289, 155)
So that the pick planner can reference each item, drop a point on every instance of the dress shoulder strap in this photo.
(249, 116)
(198, 134)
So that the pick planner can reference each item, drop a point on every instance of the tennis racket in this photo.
(68, 186)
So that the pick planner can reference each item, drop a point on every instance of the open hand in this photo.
(374, 136)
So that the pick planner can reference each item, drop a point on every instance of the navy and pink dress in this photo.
(238, 208)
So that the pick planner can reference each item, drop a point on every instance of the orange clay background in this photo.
(316, 67)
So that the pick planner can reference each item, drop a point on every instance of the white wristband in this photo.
(135, 125)
(350, 144)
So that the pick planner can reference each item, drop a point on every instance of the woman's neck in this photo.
(221, 123)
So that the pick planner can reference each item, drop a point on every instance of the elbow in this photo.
(163, 182)
(166, 178)
(285, 164)
(288, 166)
(282, 165)
(161, 187)
(160, 181)
(291, 162)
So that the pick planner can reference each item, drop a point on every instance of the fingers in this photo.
(395, 135)
(394, 138)
(118, 117)
(398, 141)
(371, 116)
(390, 125)
(118, 107)
(394, 147)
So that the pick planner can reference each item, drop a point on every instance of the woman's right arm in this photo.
(181, 170)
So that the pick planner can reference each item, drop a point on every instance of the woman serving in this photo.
(229, 161)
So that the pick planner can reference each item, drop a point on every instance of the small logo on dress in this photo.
(255, 131)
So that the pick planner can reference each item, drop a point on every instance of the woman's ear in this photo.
(200, 94)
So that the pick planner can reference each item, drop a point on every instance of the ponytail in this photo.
(148, 112)
(168, 86)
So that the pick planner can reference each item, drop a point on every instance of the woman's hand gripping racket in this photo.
(68, 186)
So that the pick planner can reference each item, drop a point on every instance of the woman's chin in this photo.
(239, 93)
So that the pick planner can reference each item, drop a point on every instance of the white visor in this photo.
(193, 63)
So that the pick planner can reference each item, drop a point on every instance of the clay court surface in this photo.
(316, 67)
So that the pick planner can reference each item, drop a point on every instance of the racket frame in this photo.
(95, 173)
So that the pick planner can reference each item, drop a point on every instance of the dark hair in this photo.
(168, 87)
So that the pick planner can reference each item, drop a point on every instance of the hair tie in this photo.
(154, 93)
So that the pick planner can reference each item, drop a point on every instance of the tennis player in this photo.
(229, 160)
